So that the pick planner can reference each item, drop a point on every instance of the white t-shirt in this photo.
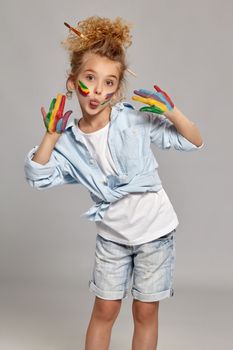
(137, 217)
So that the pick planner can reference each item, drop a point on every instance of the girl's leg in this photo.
(103, 316)
(153, 277)
(145, 316)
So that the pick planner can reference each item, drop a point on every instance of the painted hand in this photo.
(159, 102)
(54, 120)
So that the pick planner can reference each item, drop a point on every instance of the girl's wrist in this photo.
(52, 137)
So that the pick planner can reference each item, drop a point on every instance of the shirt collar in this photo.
(114, 113)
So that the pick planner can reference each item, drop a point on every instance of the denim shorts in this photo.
(151, 264)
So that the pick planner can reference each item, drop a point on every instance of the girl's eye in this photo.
(110, 82)
(89, 76)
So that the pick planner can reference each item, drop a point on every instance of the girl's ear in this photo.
(70, 84)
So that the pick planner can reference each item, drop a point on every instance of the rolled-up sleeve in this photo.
(51, 174)
(164, 135)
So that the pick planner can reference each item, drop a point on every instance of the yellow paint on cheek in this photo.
(82, 88)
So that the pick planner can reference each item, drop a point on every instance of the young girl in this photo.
(108, 150)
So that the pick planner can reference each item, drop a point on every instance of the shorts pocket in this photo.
(166, 238)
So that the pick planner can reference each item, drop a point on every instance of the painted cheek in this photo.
(83, 89)
(108, 98)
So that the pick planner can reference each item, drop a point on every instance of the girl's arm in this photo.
(44, 165)
(47, 167)
(45, 149)
(184, 126)
(173, 129)
(165, 135)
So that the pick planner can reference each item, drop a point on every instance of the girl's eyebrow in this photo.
(92, 70)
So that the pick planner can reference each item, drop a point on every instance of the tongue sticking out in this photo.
(94, 103)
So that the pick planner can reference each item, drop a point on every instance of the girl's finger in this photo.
(52, 120)
(49, 114)
(149, 94)
(165, 94)
(43, 112)
(60, 111)
(65, 120)
(52, 104)
(162, 98)
(152, 109)
(59, 126)
(158, 88)
(149, 101)
(140, 99)
(169, 100)
(62, 104)
(43, 115)
(157, 97)
(143, 92)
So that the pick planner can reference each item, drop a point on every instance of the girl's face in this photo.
(96, 83)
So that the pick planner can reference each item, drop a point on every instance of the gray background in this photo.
(46, 249)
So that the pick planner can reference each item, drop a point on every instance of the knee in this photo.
(106, 310)
(144, 312)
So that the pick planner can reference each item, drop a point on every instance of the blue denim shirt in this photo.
(131, 133)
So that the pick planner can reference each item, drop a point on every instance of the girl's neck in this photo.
(94, 123)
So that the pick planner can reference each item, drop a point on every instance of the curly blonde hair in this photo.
(104, 37)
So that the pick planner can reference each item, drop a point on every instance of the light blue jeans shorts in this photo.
(151, 264)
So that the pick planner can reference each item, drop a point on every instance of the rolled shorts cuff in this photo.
(105, 294)
(152, 296)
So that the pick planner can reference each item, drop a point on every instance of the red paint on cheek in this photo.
(82, 88)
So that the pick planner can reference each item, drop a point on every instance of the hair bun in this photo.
(99, 29)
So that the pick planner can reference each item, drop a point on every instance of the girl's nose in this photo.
(98, 90)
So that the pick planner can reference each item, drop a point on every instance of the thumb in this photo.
(43, 115)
